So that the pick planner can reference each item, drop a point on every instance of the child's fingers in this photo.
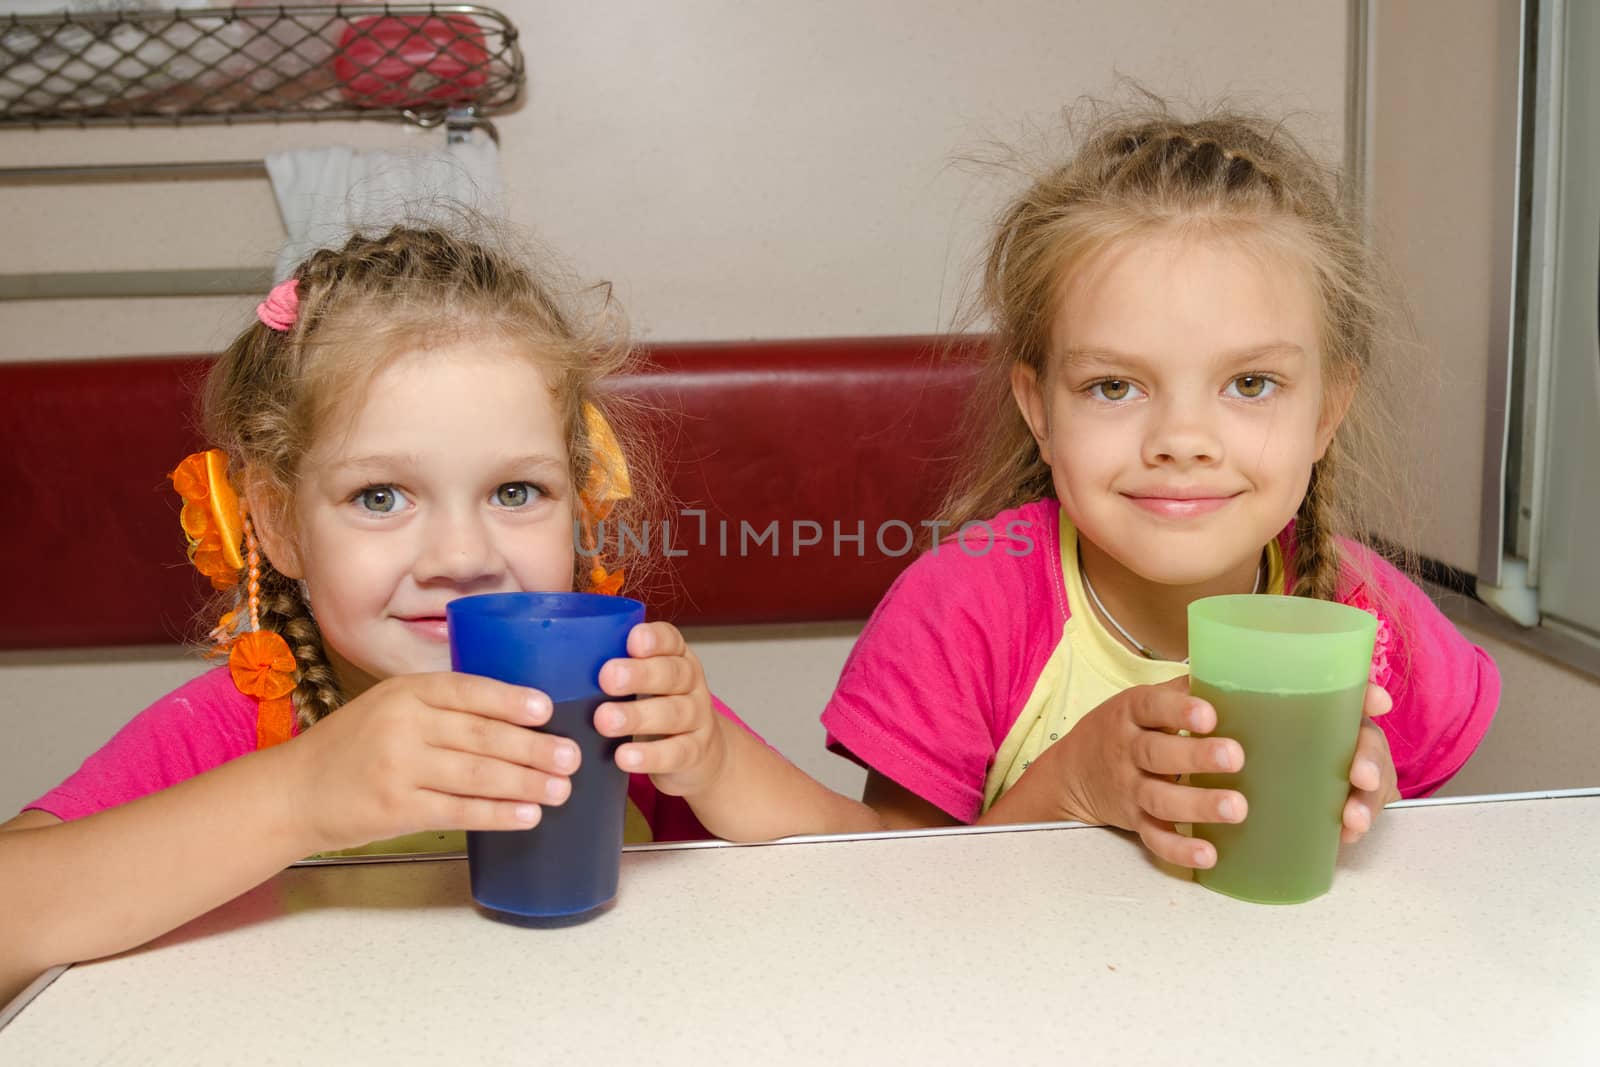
(656, 639)
(1170, 707)
(444, 811)
(1168, 801)
(466, 732)
(463, 774)
(1156, 752)
(1372, 751)
(658, 674)
(1162, 839)
(481, 696)
(1366, 777)
(1358, 816)
(1378, 702)
(661, 755)
(676, 714)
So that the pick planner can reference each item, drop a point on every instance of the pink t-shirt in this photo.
(207, 722)
(954, 652)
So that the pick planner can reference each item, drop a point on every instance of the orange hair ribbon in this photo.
(222, 544)
(607, 483)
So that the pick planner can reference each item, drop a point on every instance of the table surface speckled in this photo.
(1456, 934)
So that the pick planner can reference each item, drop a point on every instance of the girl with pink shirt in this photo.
(1178, 404)
(411, 418)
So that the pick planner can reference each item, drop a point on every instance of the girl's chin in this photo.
(1200, 578)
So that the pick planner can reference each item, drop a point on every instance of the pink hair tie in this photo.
(281, 307)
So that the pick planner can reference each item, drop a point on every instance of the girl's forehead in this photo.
(421, 394)
(1185, 294)
(464, 359)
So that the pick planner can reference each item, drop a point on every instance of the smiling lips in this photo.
(431, 627)
(1180, 504)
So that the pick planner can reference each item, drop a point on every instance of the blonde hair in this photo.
(1147, 173)
(362, 306)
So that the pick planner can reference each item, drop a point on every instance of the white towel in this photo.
(326, 194)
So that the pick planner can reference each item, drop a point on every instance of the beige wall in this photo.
(738, 169)
(1441, 154)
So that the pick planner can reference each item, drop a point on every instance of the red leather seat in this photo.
(805, 434)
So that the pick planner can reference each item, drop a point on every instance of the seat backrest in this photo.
(792, 450)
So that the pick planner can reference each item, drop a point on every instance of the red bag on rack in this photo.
(411, 60)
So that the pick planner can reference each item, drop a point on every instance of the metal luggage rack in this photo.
(430, 64)
(425, 63)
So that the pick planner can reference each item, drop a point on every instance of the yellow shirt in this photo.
(1088, 667)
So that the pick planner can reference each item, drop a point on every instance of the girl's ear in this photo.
(1335, 405)
(1029, 395)
(269, 515)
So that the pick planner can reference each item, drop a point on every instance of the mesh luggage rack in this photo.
(426, 63)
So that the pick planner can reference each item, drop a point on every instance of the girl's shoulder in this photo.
(1410, 624)
(1372, 583)
(1367, 578)
(209, 704)
(213, 688)
(200, 725)
(1017, 540)
(206, 715)
(986, 601)
(998, 564)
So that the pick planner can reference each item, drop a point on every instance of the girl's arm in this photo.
(900, 808)
(1037, 797)
(420, 752)
(759, 795)
(739, 788)
(95, 886)
(1096, 773)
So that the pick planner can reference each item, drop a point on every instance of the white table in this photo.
(1457, 933)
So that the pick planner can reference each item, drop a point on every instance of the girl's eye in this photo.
(1114, 389)
(517, 494)
(1251, 386)
(380, 499)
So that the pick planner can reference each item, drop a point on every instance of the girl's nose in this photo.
(1182, 434)
(458, 549)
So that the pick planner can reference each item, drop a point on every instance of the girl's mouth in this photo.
(428, 627)
(1169, 507)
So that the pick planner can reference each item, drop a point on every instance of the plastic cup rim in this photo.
(1358, 621)
(524, 605)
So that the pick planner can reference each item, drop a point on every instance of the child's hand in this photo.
(677, 734)
(1120, 764)
(1373, 780)
(429, 752)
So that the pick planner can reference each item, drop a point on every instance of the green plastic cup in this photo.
(1288, 677)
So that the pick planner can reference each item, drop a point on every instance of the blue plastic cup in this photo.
(565, 868)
